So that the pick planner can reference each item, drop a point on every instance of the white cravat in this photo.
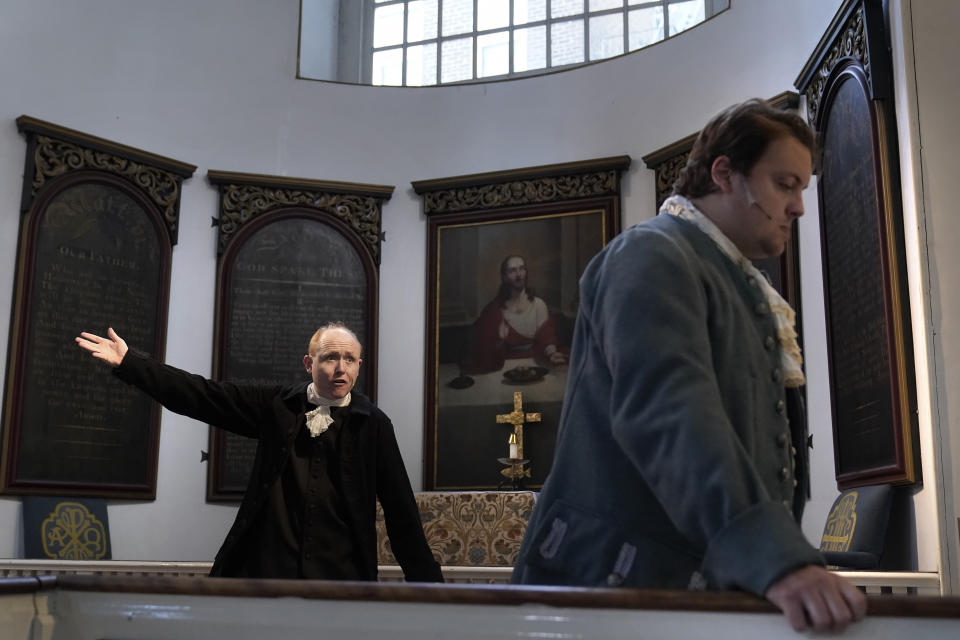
(790, 357)
(319, 419)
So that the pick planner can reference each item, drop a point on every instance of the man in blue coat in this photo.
(325, 454)
(676, 463)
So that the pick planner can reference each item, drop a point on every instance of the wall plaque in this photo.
(295, 255)
(847, 82)
(94, 252)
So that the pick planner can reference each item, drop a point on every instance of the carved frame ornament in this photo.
(517, 187)
(844, 39)
(245, 197)
(55, 151)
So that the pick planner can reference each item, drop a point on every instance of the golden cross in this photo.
(516, 418)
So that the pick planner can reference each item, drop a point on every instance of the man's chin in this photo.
(336, 393)
(771, 251)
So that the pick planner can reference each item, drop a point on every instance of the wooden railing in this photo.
(872, 582)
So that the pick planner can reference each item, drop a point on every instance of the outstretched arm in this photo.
(110, 349)
(241, 409)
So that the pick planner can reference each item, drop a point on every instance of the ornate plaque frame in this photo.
(134, 185)
(347, 213)
(848, 85)
(557, 217)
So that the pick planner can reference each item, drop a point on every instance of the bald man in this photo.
(325, 455)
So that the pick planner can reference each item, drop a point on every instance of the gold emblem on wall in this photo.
(72, 532)
(841, 524)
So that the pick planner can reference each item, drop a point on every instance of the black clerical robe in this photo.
(369, 461)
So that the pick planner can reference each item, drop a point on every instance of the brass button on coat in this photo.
(769, 343)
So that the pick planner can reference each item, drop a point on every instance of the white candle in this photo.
(514, 451)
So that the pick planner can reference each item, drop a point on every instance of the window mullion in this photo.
(510, 38)
(586, 32)
(666, 18)
(439, 38)
(548, 23)
(367, 26)
(474, 39)
(403, 45)
(624, 12)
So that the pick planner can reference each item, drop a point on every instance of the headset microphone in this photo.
(753, 201)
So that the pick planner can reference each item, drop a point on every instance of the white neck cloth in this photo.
(791, 360)
(319, 419)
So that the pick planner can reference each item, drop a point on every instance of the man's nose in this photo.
(796, 206)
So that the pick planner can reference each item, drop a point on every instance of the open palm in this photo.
(110, 349)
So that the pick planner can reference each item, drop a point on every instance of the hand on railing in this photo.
(812, 597)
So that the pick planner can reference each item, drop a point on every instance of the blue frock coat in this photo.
(673, 466)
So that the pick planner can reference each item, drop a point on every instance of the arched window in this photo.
(430, 42)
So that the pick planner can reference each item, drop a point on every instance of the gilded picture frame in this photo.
(546, 223)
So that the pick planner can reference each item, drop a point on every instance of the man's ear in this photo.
(308, 363)
(722, 173)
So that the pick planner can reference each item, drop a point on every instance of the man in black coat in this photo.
(325, 454)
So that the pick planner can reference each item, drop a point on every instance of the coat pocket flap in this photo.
(591, 551)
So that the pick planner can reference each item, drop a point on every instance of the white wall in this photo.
(212, 83)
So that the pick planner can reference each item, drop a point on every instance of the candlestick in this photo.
(513, 473)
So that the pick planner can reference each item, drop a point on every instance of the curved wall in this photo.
(213, 84)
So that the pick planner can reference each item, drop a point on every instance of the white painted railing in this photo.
(16, 568)
(911, 583)
(84, 607)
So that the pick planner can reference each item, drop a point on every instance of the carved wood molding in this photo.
(56, 151)
(845, 38)
(855, 38)
(667, 161)
(245, 197)
(529, 185)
